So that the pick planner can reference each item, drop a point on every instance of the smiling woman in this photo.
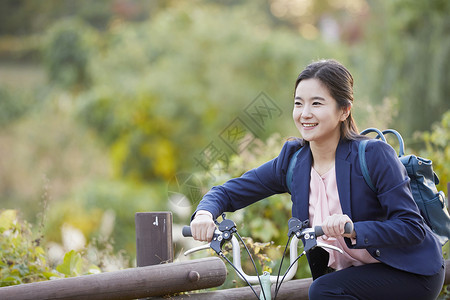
(322, 110)
(388, 238)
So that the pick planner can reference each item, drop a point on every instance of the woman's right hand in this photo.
(203, 226)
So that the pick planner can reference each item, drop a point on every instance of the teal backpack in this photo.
(432, 204)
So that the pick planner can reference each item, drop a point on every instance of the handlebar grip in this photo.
(186, 231)
(319, 232)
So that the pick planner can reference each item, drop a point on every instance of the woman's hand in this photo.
(333, 226)
(203, 226)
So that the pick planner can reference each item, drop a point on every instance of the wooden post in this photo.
(150, 281)
(153, 238)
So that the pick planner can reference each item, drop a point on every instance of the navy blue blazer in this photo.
(388, 223)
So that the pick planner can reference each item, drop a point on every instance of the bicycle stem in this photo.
(266, 292)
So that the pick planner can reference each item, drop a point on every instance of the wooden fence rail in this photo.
(290, 290)
(150, 281)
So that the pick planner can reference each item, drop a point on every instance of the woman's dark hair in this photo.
(339, 82)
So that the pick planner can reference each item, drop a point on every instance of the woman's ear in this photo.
(345, 113)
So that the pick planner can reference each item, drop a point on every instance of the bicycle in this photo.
(297, 230)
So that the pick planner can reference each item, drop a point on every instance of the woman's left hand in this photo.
(333, 226)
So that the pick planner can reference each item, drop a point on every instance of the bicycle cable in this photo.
(240, 274)
(279, 269)
(253, 262)
(298, 257)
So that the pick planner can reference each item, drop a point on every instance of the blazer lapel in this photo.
(343, 169)
(301, 179)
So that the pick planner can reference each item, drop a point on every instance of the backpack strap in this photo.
(401, 151)
(290, 170)
(363, 164)
(380, 134)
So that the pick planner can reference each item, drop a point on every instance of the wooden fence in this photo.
(156, 276)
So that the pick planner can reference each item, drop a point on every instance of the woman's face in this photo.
(316, 113)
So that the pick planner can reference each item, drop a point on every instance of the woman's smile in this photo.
(309, 125)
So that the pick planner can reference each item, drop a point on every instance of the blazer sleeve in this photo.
(256, 184)
(402, 224)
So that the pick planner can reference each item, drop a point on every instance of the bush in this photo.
(13, 105)
(22, 259)
(161, 89)
(437, 149)
(67, 53)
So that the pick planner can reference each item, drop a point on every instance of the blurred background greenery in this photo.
(112, 107)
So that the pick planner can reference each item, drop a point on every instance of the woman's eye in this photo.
(297, 103)
(317, 103)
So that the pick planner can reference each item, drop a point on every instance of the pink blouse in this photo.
(324, 202)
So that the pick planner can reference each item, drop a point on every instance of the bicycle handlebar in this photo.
(236, 254)
(186, 231)
(308, 235)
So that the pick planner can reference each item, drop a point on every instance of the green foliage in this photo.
(22, 259)
(88, 209)
(437, 149)
(259, 253)
(67, 53)
(74, 265)
(124, 199)
(49, 157)
(71, 265)
(265, 222)
(159, 91)
(20, 17)
(141, 139)
(407, 51)
(13, 105)
(173, 95)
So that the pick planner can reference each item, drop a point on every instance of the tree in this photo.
(165, 89)
(408, 51)
(67, 53)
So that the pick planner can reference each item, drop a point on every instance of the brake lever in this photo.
(199, 248)
(220, 236)
(296, 226)
(323, 245)
(225, 233)
(309, 239)
(216, 243)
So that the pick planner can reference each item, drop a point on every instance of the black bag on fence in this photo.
(432, 204)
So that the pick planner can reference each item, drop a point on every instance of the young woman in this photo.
(391, 253)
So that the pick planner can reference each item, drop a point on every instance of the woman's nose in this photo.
(306, 112)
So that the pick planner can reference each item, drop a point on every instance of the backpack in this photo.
(423, 180)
